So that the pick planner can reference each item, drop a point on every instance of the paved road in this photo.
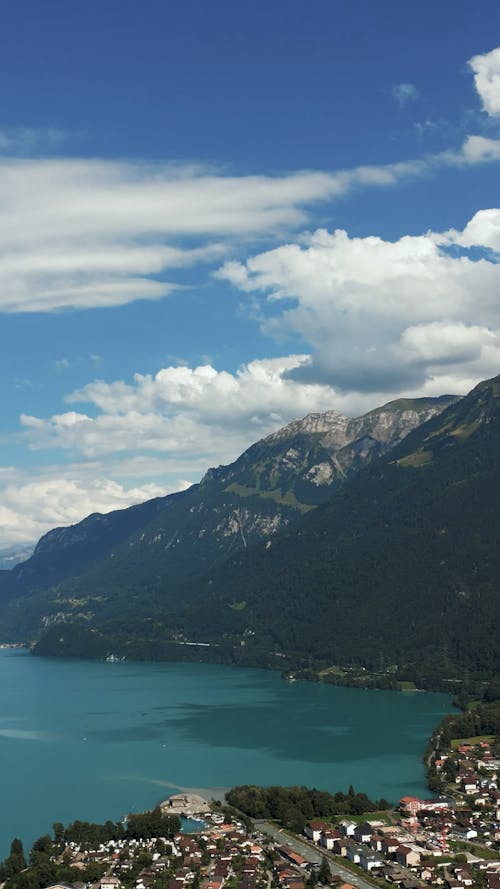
(312, 853)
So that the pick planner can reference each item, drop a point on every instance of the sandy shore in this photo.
(208, 793)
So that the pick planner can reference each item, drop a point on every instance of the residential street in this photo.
(312, 853)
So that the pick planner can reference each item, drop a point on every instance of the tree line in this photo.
(293, 807)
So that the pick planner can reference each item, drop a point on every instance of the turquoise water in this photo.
(93, 740)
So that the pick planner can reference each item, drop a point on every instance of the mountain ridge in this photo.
(403, 563)
(263, 473)
(236, 569)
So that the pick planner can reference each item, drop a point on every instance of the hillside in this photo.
(401, 567)
(144, 561)
(398, 572)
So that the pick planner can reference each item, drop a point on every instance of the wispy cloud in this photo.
(405, 93)
(76, 234)
(61, 364)
(25, 141)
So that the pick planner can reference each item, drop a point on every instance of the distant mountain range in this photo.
(12, 555)
(373, 540)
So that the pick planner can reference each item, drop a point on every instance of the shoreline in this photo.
(218, 794)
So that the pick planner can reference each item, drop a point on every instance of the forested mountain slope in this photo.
(401, 567)
(144, 560)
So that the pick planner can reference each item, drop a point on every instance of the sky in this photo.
(217, 217)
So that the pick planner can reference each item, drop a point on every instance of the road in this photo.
(312, 853)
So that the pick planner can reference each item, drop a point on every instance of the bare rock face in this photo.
(321, 474)
(330, 422)
(306, 457)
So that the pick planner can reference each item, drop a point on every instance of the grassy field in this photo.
(480, 851)
(406, 685)
(457, 742)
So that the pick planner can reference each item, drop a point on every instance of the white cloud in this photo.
(416, 316)
(476, 150)
(404, 93)
(486, 70)
(420, 315)
(384, 316)
(79, 233)
(171, 426)
(30, 508)
(482, 230)
(89, 233)
(183, 412)
(445, 342)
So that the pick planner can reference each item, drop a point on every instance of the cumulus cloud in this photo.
(486, 70)
(171, 426)
(30, 508)
(404, 93)
(384, 316)
(476, 150)
(184, 412)
(418, 316)
(482, 230)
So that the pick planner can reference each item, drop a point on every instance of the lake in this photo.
(94, 740)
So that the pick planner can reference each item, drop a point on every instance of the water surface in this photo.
(93, 740)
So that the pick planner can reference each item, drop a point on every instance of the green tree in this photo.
(324, 872)
(58, 828)
(15, 862)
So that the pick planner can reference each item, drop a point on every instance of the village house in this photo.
(294, 857)
(328, 837)
(464, 876)
(469, 782)
(407, 856)
(340, 846)
(363, 833)
(376, 842)
(369, 859)
(463, 830)
(390, 844)
(314, 829)
(354, 852)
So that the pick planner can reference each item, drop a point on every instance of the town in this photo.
(451, 841)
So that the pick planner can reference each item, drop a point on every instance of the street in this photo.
(312, 853)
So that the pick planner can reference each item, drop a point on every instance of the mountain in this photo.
(300, 462)
(12, 555)
(144, 559)
(401, 567)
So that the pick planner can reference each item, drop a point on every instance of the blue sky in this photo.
(216, 217)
